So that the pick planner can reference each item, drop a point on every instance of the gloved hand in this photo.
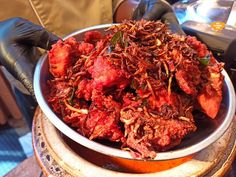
(18, 41)
(158, 10)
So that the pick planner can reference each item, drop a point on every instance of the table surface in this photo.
(28, 168)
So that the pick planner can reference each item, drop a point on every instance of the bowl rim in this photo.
(173, 154)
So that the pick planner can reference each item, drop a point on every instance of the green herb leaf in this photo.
(70, 100)
(134, 84)
(144, 103)
(126, 44)
(205, 60)
(117, 38)
(143, 86)
(60, 102)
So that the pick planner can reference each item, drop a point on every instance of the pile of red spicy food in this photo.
(137, 85)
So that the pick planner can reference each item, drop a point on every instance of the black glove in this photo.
(18, 41)
(158, 10)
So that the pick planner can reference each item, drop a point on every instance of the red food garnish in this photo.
(106, 75)
(137, 85)
(211, 94)
(92, 37)
(61, 56)
(85, 48)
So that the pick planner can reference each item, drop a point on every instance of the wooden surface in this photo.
(28, 168)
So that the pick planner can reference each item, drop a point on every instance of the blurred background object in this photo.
(206, 11)
(197, 17)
